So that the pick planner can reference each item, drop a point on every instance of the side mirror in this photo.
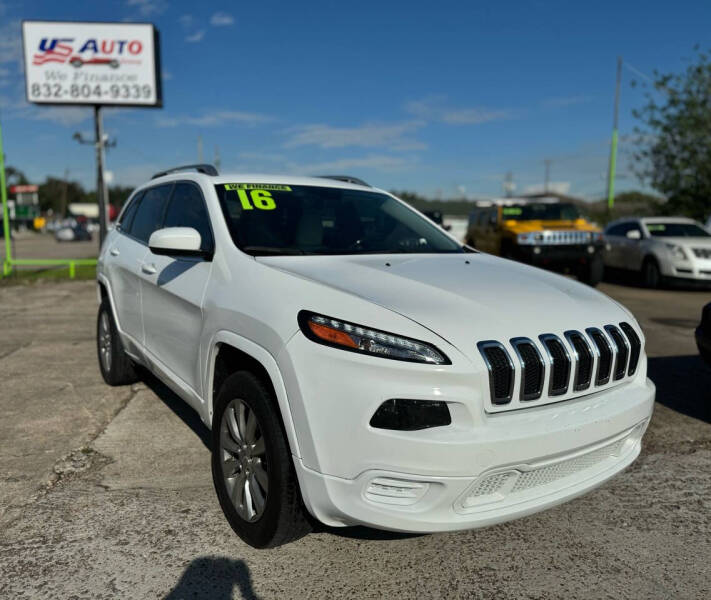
(176, 241)
(634, 234)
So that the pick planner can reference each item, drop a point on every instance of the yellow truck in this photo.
(546, 233)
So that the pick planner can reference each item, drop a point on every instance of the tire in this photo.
(115, 365)
(651, 275)
(281, 517)
(592, 273)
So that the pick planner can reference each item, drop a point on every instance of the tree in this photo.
(674, 140)
(57, 194)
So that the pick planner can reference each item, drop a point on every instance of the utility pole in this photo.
(546, 177)
(63, 205)
(509, 185)
(99, 143)
(613, 144)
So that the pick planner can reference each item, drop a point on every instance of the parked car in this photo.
(703, 334)
(75, 233)
(544, 233)
(358, 365)
(659, 249)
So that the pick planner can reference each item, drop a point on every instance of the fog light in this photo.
(591, 249)
(410, 415)
(395, 491)
(536, 250)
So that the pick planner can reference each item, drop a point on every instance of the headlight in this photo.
(529, 239)
(677, 252)
(356, 338)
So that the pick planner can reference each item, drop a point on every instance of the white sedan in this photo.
(659, 248)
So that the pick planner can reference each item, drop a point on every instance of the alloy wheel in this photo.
(243, 460)
(105, 341)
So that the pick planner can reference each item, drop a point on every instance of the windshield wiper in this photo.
(272, 251)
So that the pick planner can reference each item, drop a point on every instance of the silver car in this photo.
(659, 248)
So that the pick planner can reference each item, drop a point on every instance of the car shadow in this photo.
(175, 270)
(683, 384)
(177, 405)
(360, 532)
(214, 578)
(634, 279)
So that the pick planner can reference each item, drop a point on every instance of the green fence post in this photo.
(72, 271)
(7, 263)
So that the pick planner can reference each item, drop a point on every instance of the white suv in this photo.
(358, 365)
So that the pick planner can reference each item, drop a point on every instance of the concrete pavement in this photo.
(106, 493)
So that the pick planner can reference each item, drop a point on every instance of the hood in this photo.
(463, 298)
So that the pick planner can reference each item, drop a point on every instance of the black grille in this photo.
(635, 346)
(583, 373)
(560, 365)
(501, 371)
(531, 368)
(604, 365)
(621, 362)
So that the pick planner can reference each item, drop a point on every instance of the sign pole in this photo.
(7, 263)
(100, 198)
(613, 143)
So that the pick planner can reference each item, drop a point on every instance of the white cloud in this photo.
(221, 19)
(186, 20)
(374, 162)
(215, 118)
(563, 101)
(368, 135)
(433, 108)
(61, 115)
(148, 8)
(559, 187)
(195, 37)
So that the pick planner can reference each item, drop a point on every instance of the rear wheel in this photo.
(115, 365)
(651, 274)
(252, 467)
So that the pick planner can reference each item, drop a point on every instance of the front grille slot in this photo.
(532, 371)
(560, 364)
(635, 346)
(604, 352)
(501, 371)
(622, 351)
(583, 360)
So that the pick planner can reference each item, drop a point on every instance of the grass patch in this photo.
(24, 275)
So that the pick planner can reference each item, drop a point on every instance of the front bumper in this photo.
(559, 256)
(351, 473)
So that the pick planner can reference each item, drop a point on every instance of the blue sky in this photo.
(435, 97)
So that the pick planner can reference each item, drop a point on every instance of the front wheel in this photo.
(651, 275)
(252, 467)
(593, 271)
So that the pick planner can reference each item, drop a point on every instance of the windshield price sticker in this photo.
(655, 227)
(511, 210)
(257, 186)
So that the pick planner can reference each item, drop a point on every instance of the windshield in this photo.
(270, 219)
(543, 212)
(676, 230)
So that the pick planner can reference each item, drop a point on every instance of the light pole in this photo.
(100, 141)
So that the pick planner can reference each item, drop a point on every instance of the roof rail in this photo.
(206, 169)
(346, 179)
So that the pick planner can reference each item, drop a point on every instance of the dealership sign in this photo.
(91, 63)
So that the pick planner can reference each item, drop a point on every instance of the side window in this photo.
(619, 229)
(187, 209)
(150, 212)
(127, 215)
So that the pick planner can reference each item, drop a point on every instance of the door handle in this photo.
(114, 252)
(148, 269)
